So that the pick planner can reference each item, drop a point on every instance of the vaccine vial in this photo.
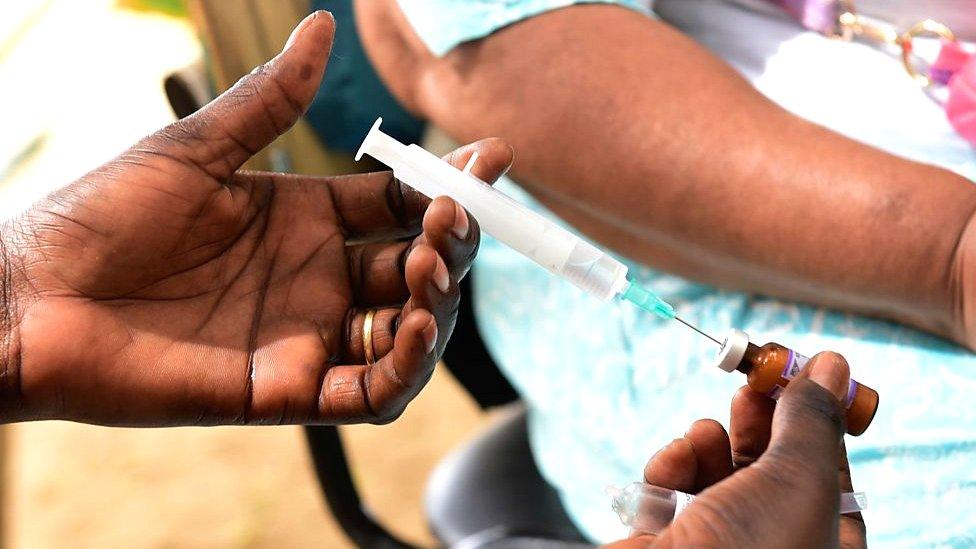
(770, 368)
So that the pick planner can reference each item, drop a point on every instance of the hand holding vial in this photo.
(779, 477)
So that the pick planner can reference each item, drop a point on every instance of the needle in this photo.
(717, 342)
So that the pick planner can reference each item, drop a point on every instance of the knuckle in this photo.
(396, 203)
(781, 467)
(810, 402)
(387, 413)
(742, 459)
(787, 472)
(401, 259)
(475, 232)
(451, 315)
(715, 521)
(469, 255)
(247, 86)
(411, 201)
(178, 135)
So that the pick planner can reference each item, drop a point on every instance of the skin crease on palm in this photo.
(167, 287)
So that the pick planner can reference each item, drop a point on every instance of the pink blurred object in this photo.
(952, 58)
(961, 106)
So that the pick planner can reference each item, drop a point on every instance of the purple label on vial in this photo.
(795, 362)
(788, 365)
(851, 393)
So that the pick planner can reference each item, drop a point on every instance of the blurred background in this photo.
(81, 81)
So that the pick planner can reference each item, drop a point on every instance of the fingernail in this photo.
(828, 374)
(430, 335)
(511, 162)
(441, 277)
(666, 447)
(461, 225)
(298, 30)
(661, 449)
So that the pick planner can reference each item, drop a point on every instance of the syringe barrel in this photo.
(650, 509)
(647, 508)
(551, 246)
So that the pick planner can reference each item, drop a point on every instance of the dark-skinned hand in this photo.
(775, 481)
(167, 287)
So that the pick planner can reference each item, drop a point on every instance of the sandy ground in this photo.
(87, 84)
(69, 485)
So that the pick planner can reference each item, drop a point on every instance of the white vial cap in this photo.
(732, 351)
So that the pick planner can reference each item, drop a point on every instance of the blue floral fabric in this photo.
(443, 24)
(608, 385)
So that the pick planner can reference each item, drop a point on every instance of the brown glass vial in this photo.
(770, 368)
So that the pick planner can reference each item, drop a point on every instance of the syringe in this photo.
(551, 246)
(650, 509)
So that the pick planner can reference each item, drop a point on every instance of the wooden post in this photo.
(241, 34)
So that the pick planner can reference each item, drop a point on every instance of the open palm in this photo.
(166, 287)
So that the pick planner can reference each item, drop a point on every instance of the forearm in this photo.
(648, 143)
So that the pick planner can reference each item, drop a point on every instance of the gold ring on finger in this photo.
(368, 337)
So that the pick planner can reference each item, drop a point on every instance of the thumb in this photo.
(225, 133)
(797, 477)
(805, 445)
(809, 420)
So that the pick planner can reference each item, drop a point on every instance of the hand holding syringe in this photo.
(558, 250)
(592, 270)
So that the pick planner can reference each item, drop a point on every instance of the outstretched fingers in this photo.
(377, 269)
(404, 343)
(422, 274)
(378, 393)
(426, 279)
(397, 378)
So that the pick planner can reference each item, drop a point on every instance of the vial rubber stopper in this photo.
(732, 351)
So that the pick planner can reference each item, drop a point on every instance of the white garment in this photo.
(960, 15)
(853, 88)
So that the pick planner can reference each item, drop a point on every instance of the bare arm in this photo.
(651, 145)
